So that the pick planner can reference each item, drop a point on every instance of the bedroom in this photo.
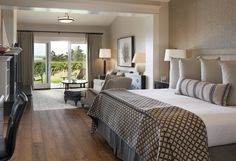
(193, 25)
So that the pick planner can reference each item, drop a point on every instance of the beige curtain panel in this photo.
(94, 63)
(25, 65)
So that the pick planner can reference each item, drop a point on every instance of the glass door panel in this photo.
(59, 62)
(78, 61)
(40, 66)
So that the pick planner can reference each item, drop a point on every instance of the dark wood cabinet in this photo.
(159, 84)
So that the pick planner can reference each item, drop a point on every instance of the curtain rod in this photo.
(95, 33)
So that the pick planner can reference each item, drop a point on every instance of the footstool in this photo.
(72, 95)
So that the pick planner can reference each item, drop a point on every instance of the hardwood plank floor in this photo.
(59, 135)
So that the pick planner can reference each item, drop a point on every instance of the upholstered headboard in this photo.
(224, 54)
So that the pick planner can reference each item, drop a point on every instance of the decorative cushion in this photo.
(119, 82)
(108, 77)
(190, 68)
(174, 72)
(120, 73)
(229, 76)
(210, 92)
(211, 70)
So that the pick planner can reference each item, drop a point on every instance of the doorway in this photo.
(58, 58)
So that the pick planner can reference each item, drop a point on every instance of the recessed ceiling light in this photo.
(65, 19)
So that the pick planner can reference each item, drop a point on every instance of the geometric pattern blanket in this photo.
(155, 130)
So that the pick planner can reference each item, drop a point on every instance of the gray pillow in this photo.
(190, 68)
(228, 75)
(210, 92)
(174, 72)
(211, 70)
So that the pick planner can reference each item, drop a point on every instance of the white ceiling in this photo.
(36, 17)
(90, 13)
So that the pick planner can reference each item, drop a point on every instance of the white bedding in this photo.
(220, 121)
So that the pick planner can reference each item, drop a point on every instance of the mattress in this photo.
(220, 121)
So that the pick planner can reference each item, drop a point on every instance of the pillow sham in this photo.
(190, 68)
(229, 76)
(211, 70)
(210, 92)
(174, 72)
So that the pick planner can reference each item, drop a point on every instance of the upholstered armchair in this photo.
(91, 93)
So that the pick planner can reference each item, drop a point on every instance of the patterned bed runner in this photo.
(156, 130)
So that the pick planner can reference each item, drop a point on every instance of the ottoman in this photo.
(72, 95)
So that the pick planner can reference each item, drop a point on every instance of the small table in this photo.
(67, 83)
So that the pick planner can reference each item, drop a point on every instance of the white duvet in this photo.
(220, 121)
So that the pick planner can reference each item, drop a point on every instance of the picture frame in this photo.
(125, 51)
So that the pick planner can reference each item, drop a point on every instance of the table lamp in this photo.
(139, 60)
(104, 54)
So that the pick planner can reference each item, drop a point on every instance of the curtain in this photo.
(25, 65)
(94, 64)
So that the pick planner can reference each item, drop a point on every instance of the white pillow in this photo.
(211, 70)
(190, 69)
(174, 72)
(228, 75)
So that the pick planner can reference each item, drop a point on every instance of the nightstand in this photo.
(159, 85)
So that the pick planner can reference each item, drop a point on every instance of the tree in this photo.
(78, 55)
(39, 69)
(59, 57)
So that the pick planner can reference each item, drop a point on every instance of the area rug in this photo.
(51, 100)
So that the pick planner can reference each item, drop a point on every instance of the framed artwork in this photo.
(125, 51)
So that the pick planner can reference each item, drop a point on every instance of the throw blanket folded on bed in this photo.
(155, 130)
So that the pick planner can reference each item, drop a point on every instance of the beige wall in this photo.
(123, 27)
(202, 24)
(151, 34)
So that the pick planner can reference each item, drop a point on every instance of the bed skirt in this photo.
(125, 153)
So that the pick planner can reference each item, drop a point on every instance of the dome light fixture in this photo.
(65, 19)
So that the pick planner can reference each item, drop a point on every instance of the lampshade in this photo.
(139, 58)
(174, 53)
(105, 53)
(65, 19)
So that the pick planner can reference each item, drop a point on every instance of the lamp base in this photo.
(140, 68)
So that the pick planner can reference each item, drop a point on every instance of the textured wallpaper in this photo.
(202, 24)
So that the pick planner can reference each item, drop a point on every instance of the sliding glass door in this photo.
(64, 58)
(41, 68)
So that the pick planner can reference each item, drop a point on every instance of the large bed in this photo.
(217, 125)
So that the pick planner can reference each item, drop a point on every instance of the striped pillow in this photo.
(210, 92)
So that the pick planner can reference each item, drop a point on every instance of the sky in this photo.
(58, 46)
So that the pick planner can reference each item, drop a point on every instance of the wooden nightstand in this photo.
(159, 85)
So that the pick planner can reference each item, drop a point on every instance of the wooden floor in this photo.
(59, 135)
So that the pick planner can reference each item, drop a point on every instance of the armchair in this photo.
(91, 93)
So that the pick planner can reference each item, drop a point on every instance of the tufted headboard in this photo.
(224, 54)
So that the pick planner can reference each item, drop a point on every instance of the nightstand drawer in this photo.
(159, 85)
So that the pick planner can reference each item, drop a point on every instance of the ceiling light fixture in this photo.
(65, 19)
